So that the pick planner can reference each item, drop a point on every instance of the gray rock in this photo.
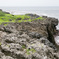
(18, 19)
(7, 57)
(9, 29)
(2, 18)
(35, 35)
(33, 15)
(10, 19)
(0, 9)
(6, 12)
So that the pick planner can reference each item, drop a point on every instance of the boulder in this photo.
(29, 40)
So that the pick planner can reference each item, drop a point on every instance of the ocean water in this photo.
(47, 11)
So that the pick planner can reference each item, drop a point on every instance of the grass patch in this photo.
(5, 24)
(0, 43)
(39, 18)
(23, 46)
(32, 50)
(15, 18)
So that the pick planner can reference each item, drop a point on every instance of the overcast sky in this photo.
(29, 2)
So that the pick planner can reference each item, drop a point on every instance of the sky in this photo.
(29, 2)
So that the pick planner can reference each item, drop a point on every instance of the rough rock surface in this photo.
(29, 40)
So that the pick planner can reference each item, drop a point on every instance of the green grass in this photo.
(32, 50)
(0, 43)
(39, 18)
(13, 18)
(23, 46)
(5, 24)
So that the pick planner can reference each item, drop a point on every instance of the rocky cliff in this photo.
(29, 40)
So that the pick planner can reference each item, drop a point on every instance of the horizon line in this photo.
(29, 6)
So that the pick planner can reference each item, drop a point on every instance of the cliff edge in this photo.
(29, 40)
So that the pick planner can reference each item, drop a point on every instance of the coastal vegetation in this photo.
(6, 17)
(32, 50)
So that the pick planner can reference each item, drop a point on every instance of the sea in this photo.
(50, 11)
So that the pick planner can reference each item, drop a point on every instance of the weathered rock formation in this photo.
(29, 40)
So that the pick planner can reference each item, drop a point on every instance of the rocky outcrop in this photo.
(4, 11)
(24, 47)
(0, 9)
(33, 15)
(29, 40)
